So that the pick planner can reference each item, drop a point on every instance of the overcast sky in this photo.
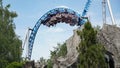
(29, 11)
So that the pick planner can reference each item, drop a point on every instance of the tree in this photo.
(91, 53)
(60, 50)
(49, 63)
(10, 44)
(15, 65)
(42, 61)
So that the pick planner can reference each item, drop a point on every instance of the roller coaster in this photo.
(53, 17)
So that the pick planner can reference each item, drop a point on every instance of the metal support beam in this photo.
(104, 11)
(110, 10)
(26, 42)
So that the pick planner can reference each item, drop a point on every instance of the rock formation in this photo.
(109, 36)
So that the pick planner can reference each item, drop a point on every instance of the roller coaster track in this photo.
(55, 16)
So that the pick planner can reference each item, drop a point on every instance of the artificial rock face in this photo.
(109, 36)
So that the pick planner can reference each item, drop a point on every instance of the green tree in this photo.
(10, 44)
(42, 61)
(49, 63)
(91, 53)
(97, 28)
(15, 65)
(60, 50)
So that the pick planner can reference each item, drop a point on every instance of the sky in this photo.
(29, 11)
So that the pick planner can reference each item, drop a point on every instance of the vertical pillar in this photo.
(104, 11)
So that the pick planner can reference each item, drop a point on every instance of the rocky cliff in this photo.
(109, 36)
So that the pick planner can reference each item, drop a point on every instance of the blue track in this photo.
(47, 16)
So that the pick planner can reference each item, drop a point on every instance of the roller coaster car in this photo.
(47, 24)
(66, 12)
(46, 21)
(51, 19)
(42, 22)
(57, 10)
(58, 15)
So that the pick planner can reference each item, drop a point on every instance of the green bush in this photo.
(60, 50)
(15, 65)
(49, 63)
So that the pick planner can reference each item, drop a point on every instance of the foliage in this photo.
(63, 50)
(10, 44)
(91, 53)
(60, 50)
(15, 65)
(42, 61)
(97, 28)
(49, 63)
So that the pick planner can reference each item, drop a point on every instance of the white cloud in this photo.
(62, 6)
